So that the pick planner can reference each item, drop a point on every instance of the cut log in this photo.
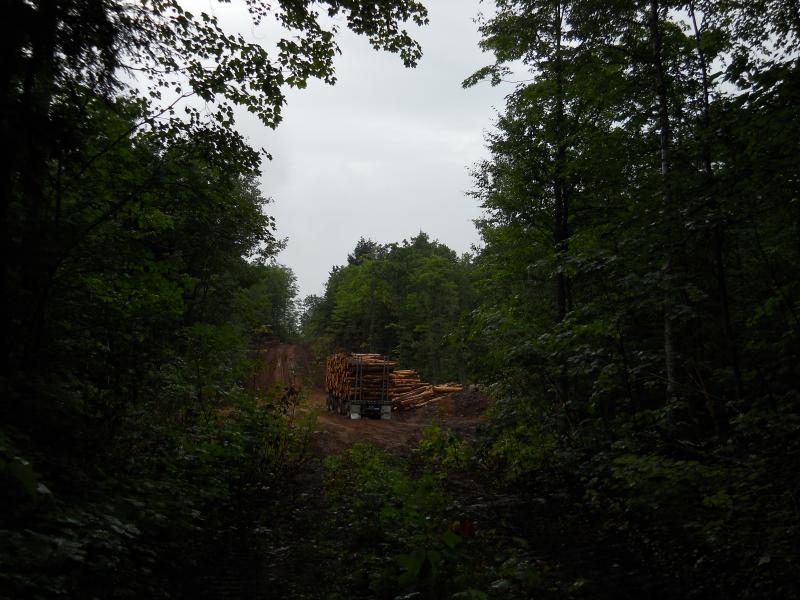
(448, 388)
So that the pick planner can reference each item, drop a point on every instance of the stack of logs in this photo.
(342, 372)
(406, 390)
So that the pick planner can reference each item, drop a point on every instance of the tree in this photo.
(364, 250)
(62, 58)
(681, 166)
(404, 300)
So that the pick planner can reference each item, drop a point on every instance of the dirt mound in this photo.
(403, 431)
(469, 403)
(466, 403)
(284, 365)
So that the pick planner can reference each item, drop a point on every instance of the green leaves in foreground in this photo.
(396, 526)
(176, 487)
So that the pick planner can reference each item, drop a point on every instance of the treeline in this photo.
(405, 300)
(155, 271)
(639, 200)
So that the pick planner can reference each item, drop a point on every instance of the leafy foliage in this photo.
(404, 300)
(632, 317)
(397, 523)
(144, 530)
(139, 280)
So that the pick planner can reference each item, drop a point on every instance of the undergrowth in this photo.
(400, 531)
(137, 521)
(409, 528)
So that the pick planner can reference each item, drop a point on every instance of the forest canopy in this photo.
(130, 215)
(402, 300)
(639, 285)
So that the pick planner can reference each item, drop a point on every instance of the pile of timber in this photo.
(344, 372)
(362, 378)
(405, 380)
(409, 391)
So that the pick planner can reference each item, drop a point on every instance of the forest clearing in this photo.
(290, 365)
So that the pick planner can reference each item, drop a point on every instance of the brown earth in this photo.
(291, 364)
(284, 365)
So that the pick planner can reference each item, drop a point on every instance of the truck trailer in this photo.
(357, 385)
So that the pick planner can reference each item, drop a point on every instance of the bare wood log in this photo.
(448, 388)
(418, 400)
(411, 395)
(429, 401)
(363, 376)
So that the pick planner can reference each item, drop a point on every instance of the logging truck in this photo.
(368, 385)
(357, 385)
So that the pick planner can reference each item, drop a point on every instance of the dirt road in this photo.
(398, 435)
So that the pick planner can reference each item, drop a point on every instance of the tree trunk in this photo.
(12, 38)
(560, 193)
(665, 141)
(371, 345)
(731, 349)
(561, 200)
(34, 254)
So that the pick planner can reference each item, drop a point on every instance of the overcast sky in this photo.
(384, 153)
